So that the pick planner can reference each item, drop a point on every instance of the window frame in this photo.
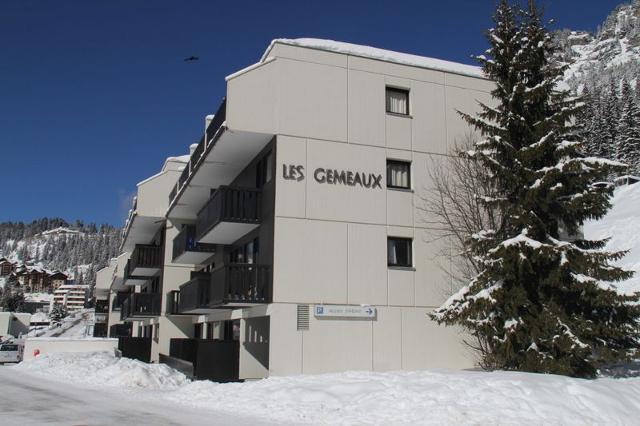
(397, 90)
(397, 162)
(409, 263)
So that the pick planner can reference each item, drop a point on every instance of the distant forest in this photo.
(79, 249)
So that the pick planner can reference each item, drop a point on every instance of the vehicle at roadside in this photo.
(11, 352)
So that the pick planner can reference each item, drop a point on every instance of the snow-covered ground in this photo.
(362, 398)
(74, 326)
(102, 367)
(622, 225)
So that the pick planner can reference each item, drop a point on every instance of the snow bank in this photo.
(365, 398)
(103, 368)
(622, 225)
(429, 397)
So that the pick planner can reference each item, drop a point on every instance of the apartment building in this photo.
(291, 239)
(72, 297)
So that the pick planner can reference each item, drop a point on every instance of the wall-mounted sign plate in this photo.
(344, 311)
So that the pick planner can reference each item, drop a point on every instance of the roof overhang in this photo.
(222, 163)
(141, 230)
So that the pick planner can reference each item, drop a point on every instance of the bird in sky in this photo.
(191, 58)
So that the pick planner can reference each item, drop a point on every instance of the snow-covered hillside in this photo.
(53, 244)
(613, 52)
(622, 225)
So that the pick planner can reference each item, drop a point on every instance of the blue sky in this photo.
(95, 94)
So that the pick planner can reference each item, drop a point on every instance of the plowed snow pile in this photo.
(103, 368)
(364, 398)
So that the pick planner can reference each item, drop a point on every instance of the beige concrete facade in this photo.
(311, 110)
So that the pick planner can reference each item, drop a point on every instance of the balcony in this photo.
(100, 330)
(102, 306)
(220, 156)
(205, 359)
(117, 302)
(229, 214)
(141, 305)
(135, 347)
(187, 250)
(204, 145)
(120, 330)
(231, 286)
(145, 262)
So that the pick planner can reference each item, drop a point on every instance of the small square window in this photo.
(398, 174)
(397, 101)
(399, 252)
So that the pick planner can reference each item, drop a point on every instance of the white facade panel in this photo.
(387, 339)
(313, 100)
(366, 108)
(426, 344)
(367, 259)
(337, 345)
(310, 261)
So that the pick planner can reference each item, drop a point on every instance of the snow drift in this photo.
(622, 225)
(365, 398)
(103, 368)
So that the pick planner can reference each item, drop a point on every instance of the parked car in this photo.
(11, 352)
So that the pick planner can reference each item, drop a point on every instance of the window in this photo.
(247, 253)
(398, 174)
(397, 101)
(264, 171)
(399, 252)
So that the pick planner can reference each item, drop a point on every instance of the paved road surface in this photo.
(27, 400)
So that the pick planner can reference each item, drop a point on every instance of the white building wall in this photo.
(330, 239)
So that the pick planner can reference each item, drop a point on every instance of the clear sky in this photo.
(94, 95)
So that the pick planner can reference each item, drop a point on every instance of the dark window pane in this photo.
(399, 251)
(397, 101)
(398, 174)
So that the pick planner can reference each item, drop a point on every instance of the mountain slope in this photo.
(613, 52)
(79, 250)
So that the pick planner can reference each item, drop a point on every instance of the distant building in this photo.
(6, 267)
(57, 279)
(14, 324)
(71, 296)
(36, 279)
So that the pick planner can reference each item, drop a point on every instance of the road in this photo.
(27, 400)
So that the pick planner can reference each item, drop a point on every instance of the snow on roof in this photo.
(379, 54)
(181, 158)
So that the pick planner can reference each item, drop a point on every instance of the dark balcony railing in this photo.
(100, 330)
(216, 360)
(186, 241)
(102, 307)
(121, 330)
(141, 305)
(121, 296)
(194, 294)
(229, 285)
(144, 257)
(205, 143)
(135, 347)
(229, 204)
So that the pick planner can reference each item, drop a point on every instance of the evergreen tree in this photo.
(57, 314)
(611, 117)
(12, 299)
(628, 134)
(541, 302)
